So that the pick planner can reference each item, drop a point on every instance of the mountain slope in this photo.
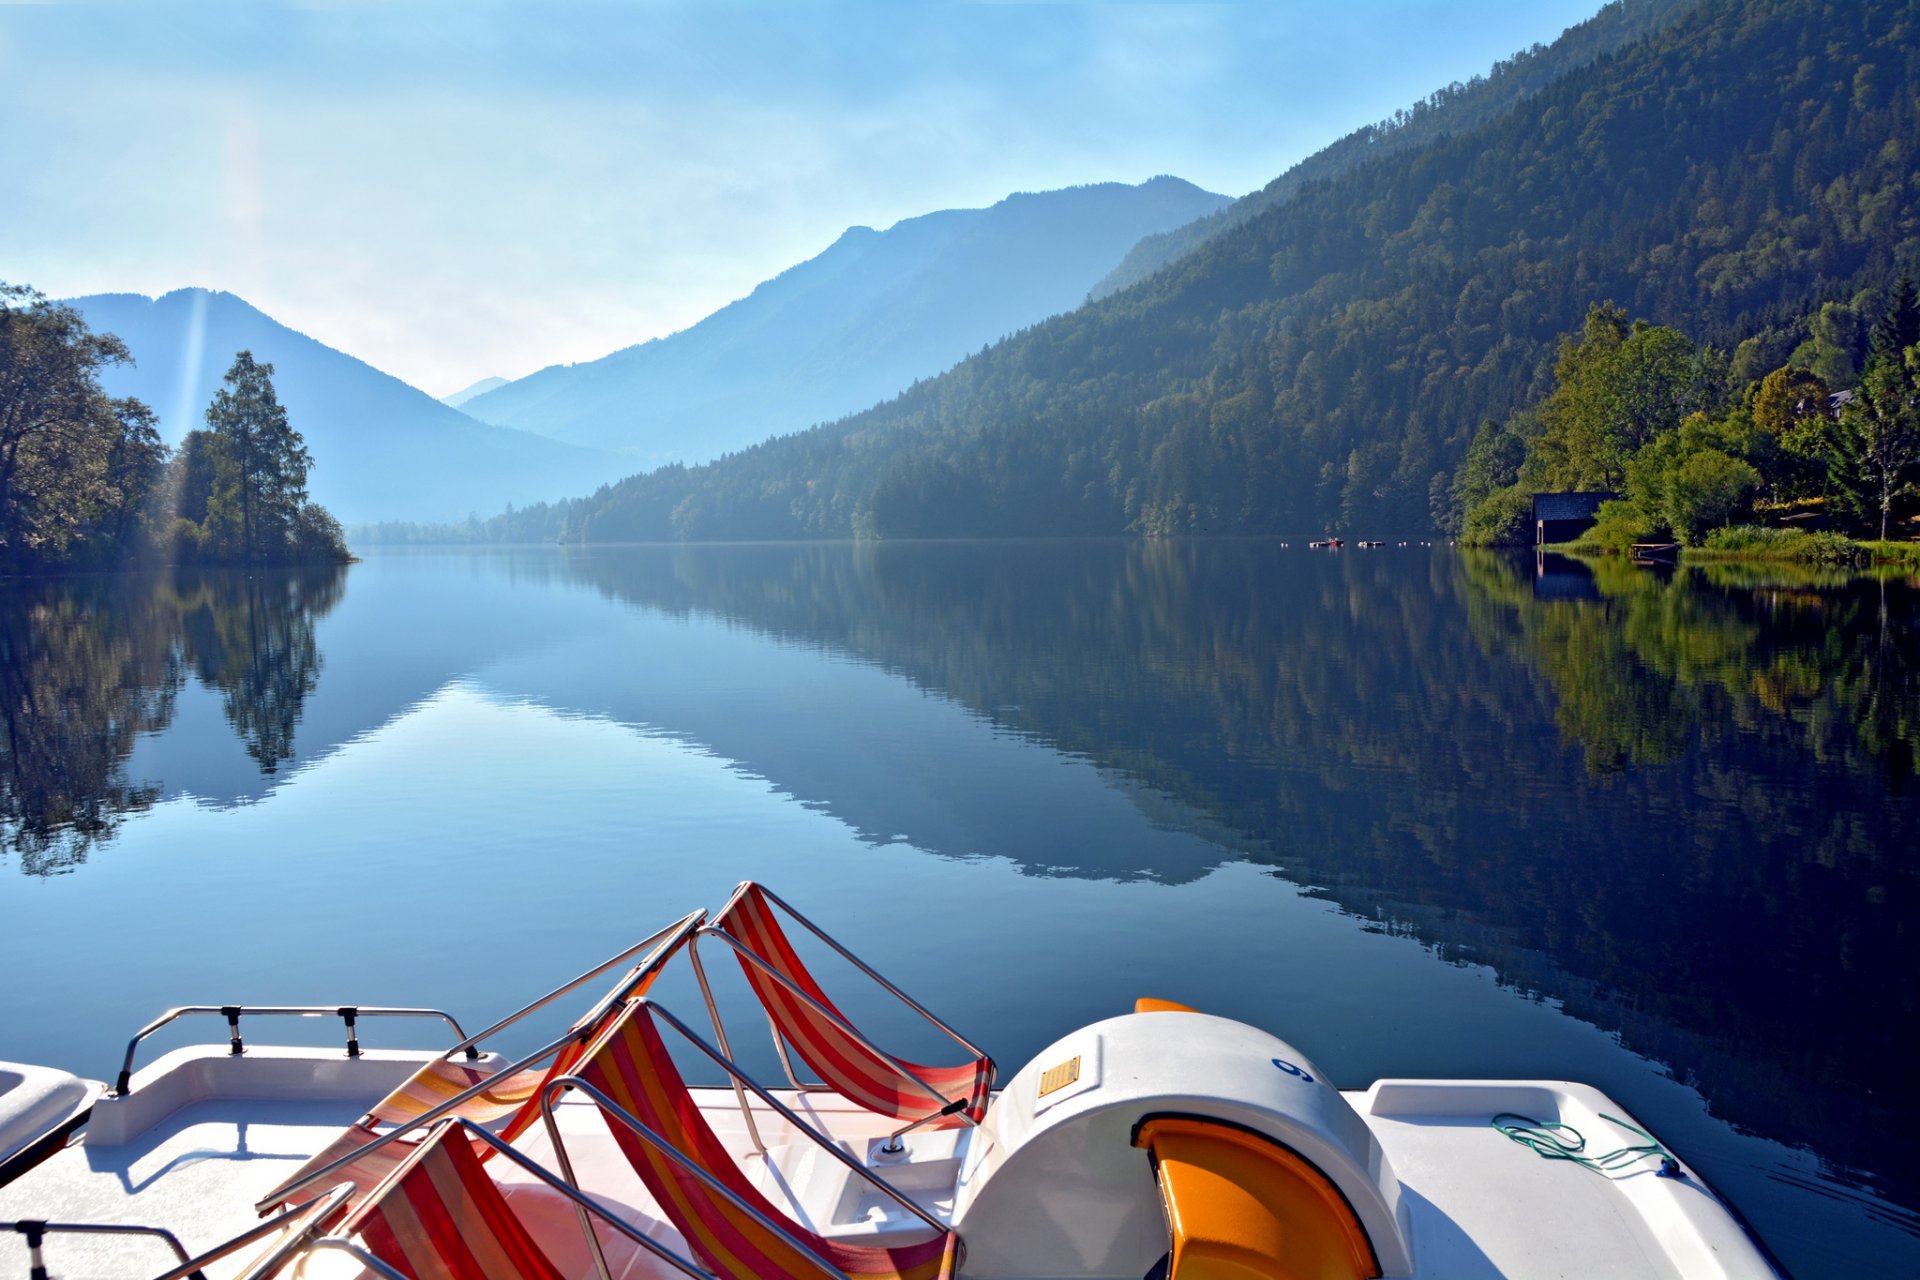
(467, 393)
(1324, 364)
(852, 326)
(382, 450)
(1455, 109)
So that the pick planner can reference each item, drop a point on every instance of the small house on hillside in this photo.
(1562, 517)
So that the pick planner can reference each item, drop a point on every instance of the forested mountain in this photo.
(381, 449)
(1454, 109)
(848, 328)
(1325, 363)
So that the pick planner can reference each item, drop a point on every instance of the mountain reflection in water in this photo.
(1681, 806)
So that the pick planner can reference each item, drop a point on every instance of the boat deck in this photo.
(1479, 1207)
(198, 1170)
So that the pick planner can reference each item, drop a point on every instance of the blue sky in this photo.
(456, 190)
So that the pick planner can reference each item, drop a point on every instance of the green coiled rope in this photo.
(1556, 1141)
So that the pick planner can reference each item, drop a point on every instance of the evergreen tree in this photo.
(1876, 444)
(1899, 325)
(261, 470)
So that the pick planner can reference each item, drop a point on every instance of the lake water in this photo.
(1419, 812)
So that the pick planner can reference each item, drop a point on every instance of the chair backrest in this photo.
(439, 1216)
(632, 1067)
(851, 1068)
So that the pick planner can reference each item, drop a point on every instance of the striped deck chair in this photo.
(440, 1216)
(444, 1087)
(804, 1017)
(734, 1231)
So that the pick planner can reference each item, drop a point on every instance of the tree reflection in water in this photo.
(88, 664)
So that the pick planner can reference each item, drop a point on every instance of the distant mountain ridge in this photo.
(467, 393)
(855, 325)
(382, 450)
(1323, 365)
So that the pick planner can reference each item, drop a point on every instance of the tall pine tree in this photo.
(260, 483)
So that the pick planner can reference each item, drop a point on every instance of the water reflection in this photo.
(87, 665)
(1680, 805)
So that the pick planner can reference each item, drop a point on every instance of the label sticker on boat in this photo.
(1072, 1073)
(1292, 1070)
(1059, 1077)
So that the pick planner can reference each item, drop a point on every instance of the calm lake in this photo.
(1419, 812)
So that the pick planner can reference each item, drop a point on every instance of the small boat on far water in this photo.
(1327, 544)
(1161, 1142)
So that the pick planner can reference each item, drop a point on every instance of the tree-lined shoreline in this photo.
(87, 483)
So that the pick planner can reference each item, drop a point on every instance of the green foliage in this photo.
(1874, 452)
(1804, 545)
(1504, 518)
(241, 485)
(1836, 343)
(77, 468)
(1457, 108)
(86, 479)
(1793, 408)
(1618, 389)
(1619, 524)
(1706, 491)
(260, 470)
(1317, 365)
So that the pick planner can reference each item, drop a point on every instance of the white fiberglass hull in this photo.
(203, 1134)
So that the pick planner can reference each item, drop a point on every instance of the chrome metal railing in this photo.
(350, 1014)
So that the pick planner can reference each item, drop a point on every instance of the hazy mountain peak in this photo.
(465, 394)
(382, 450)
(854, 325)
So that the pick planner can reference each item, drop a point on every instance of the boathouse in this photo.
(1562, 517)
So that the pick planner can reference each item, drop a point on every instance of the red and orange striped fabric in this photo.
(443, 1078)
(440, 1217)
(632, 1067)
(515, 1097)
(852, 1070)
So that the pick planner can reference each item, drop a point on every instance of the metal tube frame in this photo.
(720, 1034)
(846, 1028)
(613, 1109)
(741, 1077)
(34, 1230)
(318, 1212)
(349, 1013)
(667, 937)
(425, 1118)
(582, 1204)
(948, 1106)
(579, 1031)
(865, 968)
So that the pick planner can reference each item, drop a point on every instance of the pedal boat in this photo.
(1162, 1142)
